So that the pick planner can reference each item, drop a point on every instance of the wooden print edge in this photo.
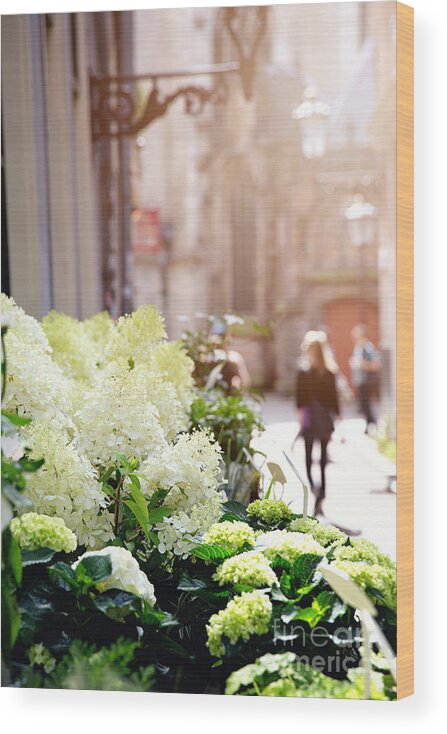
(405, 349)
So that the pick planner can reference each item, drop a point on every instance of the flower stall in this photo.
(127, 563)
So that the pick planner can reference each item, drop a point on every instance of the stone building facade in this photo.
(254, 227)
(215, 213)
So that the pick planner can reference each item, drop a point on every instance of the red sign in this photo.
(146, 231)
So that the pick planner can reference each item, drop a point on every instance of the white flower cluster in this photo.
(190, 470)
(231, 535)
(174, 531)
(94, 389)
(135, 336)
(325, 534)
(72, 346)
(67, 486)
(250, 569)
(118, 417)
(36, 386)
(126, 573)
(287, 545)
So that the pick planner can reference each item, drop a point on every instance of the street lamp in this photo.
(360, 218)
(312, 115)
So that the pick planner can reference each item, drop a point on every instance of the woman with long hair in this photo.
(318, 404)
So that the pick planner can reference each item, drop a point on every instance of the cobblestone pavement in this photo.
(356, 477)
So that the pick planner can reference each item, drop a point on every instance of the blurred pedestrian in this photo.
(318, 404)
(233, 375)
(365, 367)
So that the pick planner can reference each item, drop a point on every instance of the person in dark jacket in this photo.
(317, 403)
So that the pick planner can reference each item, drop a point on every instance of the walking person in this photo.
(365, 366)
(317, 403)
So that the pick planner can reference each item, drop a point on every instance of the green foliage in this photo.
(13, 472)
(232, 422)
(89, 667)
(63, 626)
(134, 515)
(234, 511)
(284, 675)
(211, 553)
(229, 418)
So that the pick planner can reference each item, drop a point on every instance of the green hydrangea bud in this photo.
(33, 531)
(324, 534)
(269, 511)
(245, 615)
(231, 535)
(251, 569)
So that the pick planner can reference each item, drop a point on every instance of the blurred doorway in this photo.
(340, 317)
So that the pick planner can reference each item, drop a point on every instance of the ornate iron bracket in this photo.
(116, 113)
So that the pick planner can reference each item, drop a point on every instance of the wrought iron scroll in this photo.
(117, 111)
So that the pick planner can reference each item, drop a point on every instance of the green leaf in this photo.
(310, 615)
(104, 478)
(10, 621)
(139, 498)
(63, 576)
(16, 420)
(234, 511)
(117, 604)
(153, 537)
(211, 552)
(318, 609)
(93, 569)
(303, 568)
(31, 465)
(158, 497)
(190, 584)
(41, 555)
(133, 478)
(214, 599)
(285, 584)
(140, 516)
(151, 618)
(159, 514)
(13, 554)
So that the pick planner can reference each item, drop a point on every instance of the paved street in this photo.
(356, 477)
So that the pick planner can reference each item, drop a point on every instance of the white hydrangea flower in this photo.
(163, 397)
(135, 336)
(191, 467)
(172, 364)
(125, 390)
(287, 545)
(30, 330)
(72, 347)
(36, 386)
(118, 417)
(66, 485)
(126, 573)
(173, 532)
(99, 328)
